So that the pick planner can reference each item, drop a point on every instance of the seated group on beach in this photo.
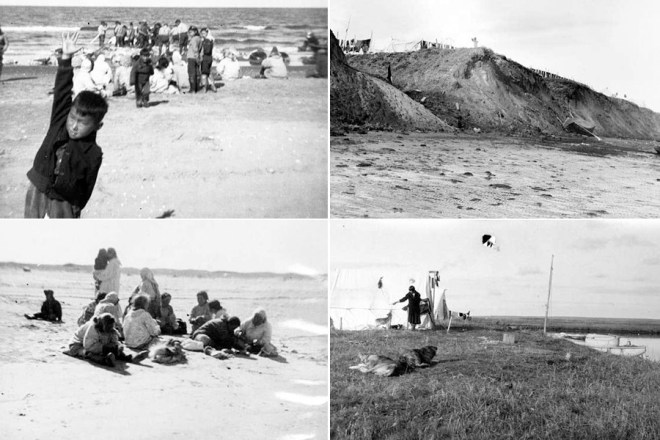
(103, 325)
(153, 62)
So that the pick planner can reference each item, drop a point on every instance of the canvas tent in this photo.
(359, 297)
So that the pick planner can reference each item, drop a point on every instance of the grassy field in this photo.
(481, 388)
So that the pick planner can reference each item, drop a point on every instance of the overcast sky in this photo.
(279, 246)
(174, 3)
(611, 45)
(602, 268)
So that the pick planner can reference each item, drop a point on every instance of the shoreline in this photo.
(22, 70)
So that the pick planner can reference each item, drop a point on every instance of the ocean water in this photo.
(35, 32)
(652, 345)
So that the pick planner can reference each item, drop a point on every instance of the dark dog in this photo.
(407, 362)
(170, 352)
(419, 357)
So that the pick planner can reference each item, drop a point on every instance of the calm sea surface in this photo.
(34, 32)
(652, 346)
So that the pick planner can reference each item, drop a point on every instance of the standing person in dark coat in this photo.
(194, 57)
(142, 70)
(66, 166)
(51, 310)
(414, 300)
(207, 60)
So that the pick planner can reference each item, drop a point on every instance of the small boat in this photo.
(596, 340)
(624, 350)
(579, 126)
(572, 336)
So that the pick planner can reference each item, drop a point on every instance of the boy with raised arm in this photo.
(66, 165)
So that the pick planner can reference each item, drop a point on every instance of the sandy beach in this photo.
(256, 148)
(404, 175)
(45, 394)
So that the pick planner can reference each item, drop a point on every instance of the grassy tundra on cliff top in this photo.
(481, 388)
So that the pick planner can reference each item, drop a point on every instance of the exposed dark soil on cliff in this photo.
(476, 88)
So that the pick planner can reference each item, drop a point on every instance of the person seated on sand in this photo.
(88, 312)
(311, 43)
(148, 287)
(201, 312)
(110, 304)
(140, 328)
(51, 310)
(229, 68)
(256, 334)
(180, 72)
(4, 45)
(274, 66)
(217, 311)
(98, 341)
(162, 81)
(218, 334)
(83, 81)
(101, 73)
(169, 324)
(121, 80)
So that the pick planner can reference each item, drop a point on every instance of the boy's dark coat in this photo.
(82, 158)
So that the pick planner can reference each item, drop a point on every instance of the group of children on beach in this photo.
(102, 326)
(158, 67)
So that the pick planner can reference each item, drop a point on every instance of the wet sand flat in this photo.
(395, 175)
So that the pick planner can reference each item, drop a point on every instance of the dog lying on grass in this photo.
(406, 362)
(169, 352)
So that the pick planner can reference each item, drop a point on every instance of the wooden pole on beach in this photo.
(547, 304)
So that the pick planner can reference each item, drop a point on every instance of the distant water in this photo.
(652, 345)
(34, 32)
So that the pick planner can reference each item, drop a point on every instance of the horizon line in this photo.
(77, 265)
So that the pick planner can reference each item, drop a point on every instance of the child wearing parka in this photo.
(142, 70)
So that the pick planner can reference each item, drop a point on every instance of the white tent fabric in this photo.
(356, 300)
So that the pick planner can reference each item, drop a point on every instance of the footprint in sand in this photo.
(500, 185)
